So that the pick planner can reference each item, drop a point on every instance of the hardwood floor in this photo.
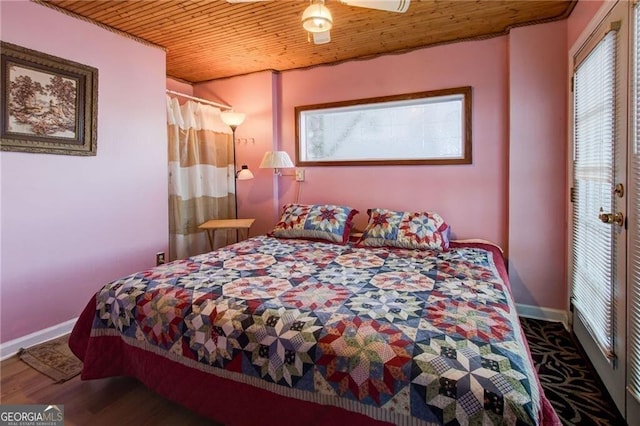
(118, 400)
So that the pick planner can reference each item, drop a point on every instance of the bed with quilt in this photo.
(304, 327)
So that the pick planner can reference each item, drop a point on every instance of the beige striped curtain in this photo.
(200, 176)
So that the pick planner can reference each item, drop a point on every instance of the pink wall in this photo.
(480, 186)
(537, 164)
(70, 224)
(179, 86)
(450, 190)
(580, 17)
(471, 198)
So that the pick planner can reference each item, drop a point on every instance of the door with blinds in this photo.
(599, 199)
(633, 304)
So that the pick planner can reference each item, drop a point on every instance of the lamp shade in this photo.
(276, 160)
(232, 119)
(316, 18)
(244, 173)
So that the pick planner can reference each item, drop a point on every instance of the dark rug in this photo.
(53, 358)
(567, 377)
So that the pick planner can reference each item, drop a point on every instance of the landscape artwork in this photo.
(48, 104)
(41, 103)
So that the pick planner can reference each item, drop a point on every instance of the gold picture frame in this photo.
(47, 104)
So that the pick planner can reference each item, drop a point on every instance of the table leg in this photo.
(211, 233)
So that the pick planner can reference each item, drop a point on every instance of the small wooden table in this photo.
(211, 226)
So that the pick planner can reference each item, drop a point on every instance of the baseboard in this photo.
(547, 314)
(10, 348)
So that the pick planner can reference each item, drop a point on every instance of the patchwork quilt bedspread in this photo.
(405, 336)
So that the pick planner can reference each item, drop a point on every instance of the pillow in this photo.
(412, 230)
(315, 222)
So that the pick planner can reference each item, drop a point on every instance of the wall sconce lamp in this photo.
(276, 160)
(244, 173)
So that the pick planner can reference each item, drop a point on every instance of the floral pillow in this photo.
(315, 222)
(412, 230)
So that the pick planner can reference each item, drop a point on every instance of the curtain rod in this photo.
(204, 101)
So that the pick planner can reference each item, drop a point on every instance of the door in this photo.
(633, 306)
(598, 208)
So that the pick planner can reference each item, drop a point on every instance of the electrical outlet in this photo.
(160, 258)
(300, 175)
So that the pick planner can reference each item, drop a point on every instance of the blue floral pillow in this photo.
(412, 230)
(315, 222)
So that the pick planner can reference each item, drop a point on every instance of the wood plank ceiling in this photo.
(212, 39)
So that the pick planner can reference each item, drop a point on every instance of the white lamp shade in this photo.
(316, 18)
(244, 173)
(232, 119)
(276, 160)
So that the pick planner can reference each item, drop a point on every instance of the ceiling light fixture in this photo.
(316, 18)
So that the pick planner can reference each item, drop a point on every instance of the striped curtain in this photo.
(200, 176)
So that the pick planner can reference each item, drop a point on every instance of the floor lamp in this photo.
(233, 120)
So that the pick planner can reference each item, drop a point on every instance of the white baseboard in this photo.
(10, 348)
(547, 314)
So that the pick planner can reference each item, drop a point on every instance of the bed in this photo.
(292, 328)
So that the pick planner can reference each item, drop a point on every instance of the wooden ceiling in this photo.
(211, 39)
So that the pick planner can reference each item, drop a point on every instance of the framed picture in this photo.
(415, 128)
(47, 104)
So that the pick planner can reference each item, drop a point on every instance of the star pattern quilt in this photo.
(400, 336)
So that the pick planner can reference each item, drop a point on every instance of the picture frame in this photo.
(432, 127)
(47, 104)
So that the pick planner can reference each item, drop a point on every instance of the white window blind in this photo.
(634, 231)
(593, 245)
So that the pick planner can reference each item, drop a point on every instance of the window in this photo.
(416, 128)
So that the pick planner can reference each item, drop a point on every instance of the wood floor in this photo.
(113, 401)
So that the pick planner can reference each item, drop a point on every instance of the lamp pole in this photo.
(235, 172)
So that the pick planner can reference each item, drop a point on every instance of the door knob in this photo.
(611, 218)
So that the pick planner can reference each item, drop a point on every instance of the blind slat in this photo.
(593, 241)
(634, 229)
